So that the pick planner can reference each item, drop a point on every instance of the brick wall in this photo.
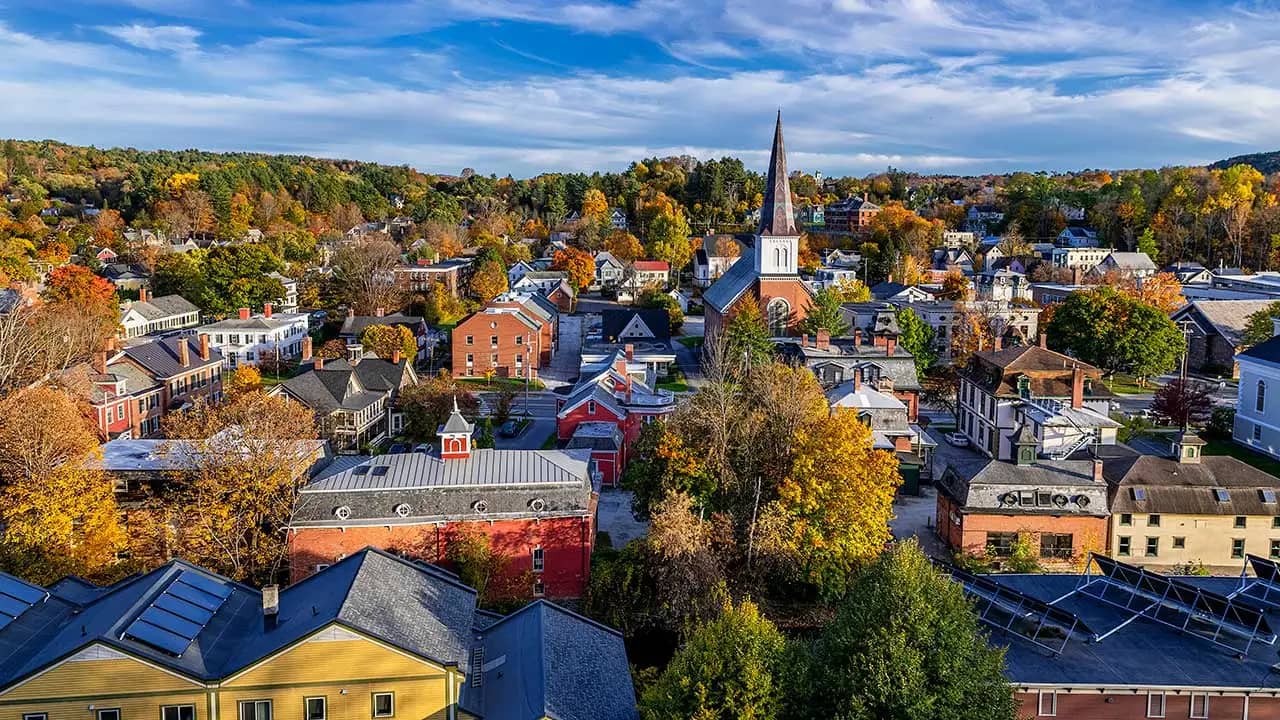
(970, 535)
(481, 328)
(1124, 705)
(566, 543)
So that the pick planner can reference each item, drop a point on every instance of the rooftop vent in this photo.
(342, 512)
(403, 510)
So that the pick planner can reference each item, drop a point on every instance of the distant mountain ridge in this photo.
(1265, 163)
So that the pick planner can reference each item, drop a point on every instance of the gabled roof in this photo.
(354, 325)
(1227, 318)
(1268, 351)
(652, 265)
(163, 307)
(1131, 260)
(614, 321)
(335, 387)
(160, 357)
(730, 286)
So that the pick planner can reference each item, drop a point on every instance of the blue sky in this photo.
(525, 86)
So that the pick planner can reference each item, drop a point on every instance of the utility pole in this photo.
(751, 536)
(1182, 380)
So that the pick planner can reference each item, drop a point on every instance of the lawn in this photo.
(1239, 452)
(499, 383)
(1122, 384)
(691, 341)
(675, 382)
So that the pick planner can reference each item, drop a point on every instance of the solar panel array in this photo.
(174, 619)
(1264, 588)
(1026, 617)
(1176, 603)
(17, 597)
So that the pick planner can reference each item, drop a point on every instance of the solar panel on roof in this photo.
(1007, 609)
(17, 597)
(360, 470)
(174, 619)
(1264, 588)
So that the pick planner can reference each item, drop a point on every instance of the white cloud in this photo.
(166, 38)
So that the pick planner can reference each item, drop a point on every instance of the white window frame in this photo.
(178, 707)
(373, 705)
(254, 704)
(539, 559)
(1154, 713)
(324, 707)
(105, 711)
(35, 716)
(1204, 709)
(1052, 696)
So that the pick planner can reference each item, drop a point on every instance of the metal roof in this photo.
(485, 467)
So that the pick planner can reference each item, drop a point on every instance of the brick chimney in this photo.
(804, 340)
(628, 389)
(142, 294)
(857, 337)
(630, 350)
(997, 343)
(266, 310)
(319, 363)
(204, 347)
(395, 356)
(822, 340)
(379, 312)
(306, 348)
(184, 352)
(1044, 339)
(890, 342)
(100, 362)
(244, 313)
(857, 379)
(1097, 470)
(1077, 387)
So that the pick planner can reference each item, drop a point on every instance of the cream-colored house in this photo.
(1188, 509)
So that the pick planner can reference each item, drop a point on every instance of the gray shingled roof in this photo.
(164, 306)
(731, 285)
(160, 357)
(354, 325)
(1226, 317)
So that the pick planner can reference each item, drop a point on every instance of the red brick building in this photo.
(536, 507)
(504, 338)
(133, 388)
(619, 393)
(771, 273)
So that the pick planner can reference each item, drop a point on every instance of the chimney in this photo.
(378, 312)
(864, 196)
(306, 348)
(857, 337)
(184, 352)
(266, 310)
(890, 278)
(889, 343)
(100, 362)
(1097, 469)
(857, 379)
(142, 294)
(804, 340)
(204, 347)
(822, 339)
(270, 605)
(628, 389)
(244, 313)
(1044, 339)
(395, 356)
(630, 350)
(1077, 387)
(319, 363)
(351, 311)
(997, 343)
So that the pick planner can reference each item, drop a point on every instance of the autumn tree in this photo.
(334, 349)
(579, 264)
(1116, 332)
(668, 239)
(655, 299)
(244, 379)
(108, 228)
(662, 463)
(824, 313)
(1259, 327)
(482, 566)
(1232, 203)
(624, 246)
(905, 644)
(364, 276)
(427, 405)
(955, 286)
(852, 291)
(386, 340)
(488, 281)
(1183, 402)
(974, 328)
(595, 208)
(730, 668)
(833, 507)
(239, 465)
(441, 307)
(1161, 291)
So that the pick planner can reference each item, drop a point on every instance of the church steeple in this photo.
(776, 216)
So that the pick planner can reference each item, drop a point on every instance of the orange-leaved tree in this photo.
(578, 263)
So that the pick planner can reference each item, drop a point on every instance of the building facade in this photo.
(252, 339)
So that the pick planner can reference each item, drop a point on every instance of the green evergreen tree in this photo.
(917, 337)
(824, 314)
(747, 342)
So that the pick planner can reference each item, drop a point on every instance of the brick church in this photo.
(770, 273)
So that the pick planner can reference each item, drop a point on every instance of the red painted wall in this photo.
(1127, 705)
(566, 543)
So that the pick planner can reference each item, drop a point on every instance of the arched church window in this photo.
(779, 317)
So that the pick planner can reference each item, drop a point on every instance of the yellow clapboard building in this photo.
(372, 637)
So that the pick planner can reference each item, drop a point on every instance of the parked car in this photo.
(398, 448)
(509, 429)
(956, 439)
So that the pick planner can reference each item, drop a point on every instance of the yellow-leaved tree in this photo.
(833, 508)
(595, 208)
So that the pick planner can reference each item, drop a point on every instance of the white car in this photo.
(955, 438)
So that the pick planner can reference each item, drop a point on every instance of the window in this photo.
(1260, 401)
(178, 712)
(1153, 521)
(1138, 493)
(1122, 549)
(1155, 705)
(493, 341)
(1199, 705)
(538, 559)
(1257, 432)
(35, 716)
(1275, 522)
(1126, 519)
(1179, 543)
(470, 340)
(591, 407)
(779, 317)
(1001, 544)
(1221, 495)
(493, 359)
(1241, 521)
(1237, 547)
(1048, 705)
(384, 704)
(519, 339)
(111, 714)
(471, 359)
(1275, 549)
(255, 710)
(1055, 545)
(538, 587)
(315, 708)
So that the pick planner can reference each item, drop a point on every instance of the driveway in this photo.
(913, 516)
(613, 516)
(563, 369)
(533, 437)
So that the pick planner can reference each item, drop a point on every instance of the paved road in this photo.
(532, 438)
(563, 369)
(540, 403)
(613, 516)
